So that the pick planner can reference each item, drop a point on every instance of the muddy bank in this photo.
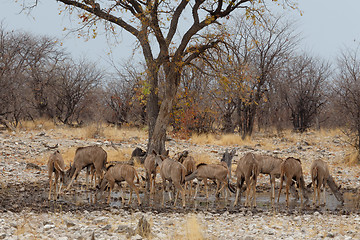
(33, 196)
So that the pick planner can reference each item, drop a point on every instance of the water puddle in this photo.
(212, 204)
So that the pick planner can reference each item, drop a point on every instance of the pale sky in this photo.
(326, 26)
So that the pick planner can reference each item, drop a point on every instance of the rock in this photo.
(136, 237)
(69, 223)
(48, 227)
(32, 166)
(107, 227)
(100, 220)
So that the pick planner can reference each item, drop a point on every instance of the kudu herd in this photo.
(182, 168)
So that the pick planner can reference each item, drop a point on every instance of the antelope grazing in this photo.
(271, 165)
(247, 171)
(174, 172)
(227, 158)
(218, 172)
(291, 169)
(56, 165)
(85, 157)
(320, 176)
(117, 174)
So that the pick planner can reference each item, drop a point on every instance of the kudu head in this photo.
(159, 158)
(228, 156)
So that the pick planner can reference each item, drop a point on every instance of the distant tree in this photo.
(15, 50)
(245, 67)
(74, 82)
(302, 87)
(347, 93)
(125, 97)
(171, 35)
(42, 62)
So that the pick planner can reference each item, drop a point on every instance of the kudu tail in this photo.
(231, 188)
(58, 168)
(335, 189)
(191, 176)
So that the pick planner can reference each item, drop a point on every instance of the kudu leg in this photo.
(72, 180)
(56, 187)
(196, 189)
(324, 194)
(206, 190)
(281, 184)
(50, 185)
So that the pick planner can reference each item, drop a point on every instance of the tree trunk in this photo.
(158, 136)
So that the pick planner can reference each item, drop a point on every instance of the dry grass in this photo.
(352, 158)
(193, 229)
(37, 124)
(221, 140)
(109, 133)
(203, 158)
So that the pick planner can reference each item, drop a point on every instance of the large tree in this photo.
(171, 34)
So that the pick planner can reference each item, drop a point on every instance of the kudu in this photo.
(190, 165)
(56, 165)
(150, 165)
(173, 172)
(291, 170)
(247, 171)
(216, 172)
(181, 156)
(117, 174)
(227, 158)
(85, 157)
(271, 165)
(320, 176)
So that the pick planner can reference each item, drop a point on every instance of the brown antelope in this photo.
(56, 165)
(247, 170)
(150, 164)
(320, 176)
(271, 165)
(218, 172)
(85, 157)
(174, 172)
(190, 165)
(117, 174)
(292, 170)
